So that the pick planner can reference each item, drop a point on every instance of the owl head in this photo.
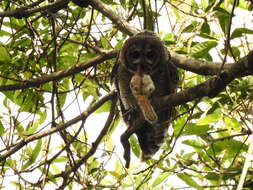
(144, 50)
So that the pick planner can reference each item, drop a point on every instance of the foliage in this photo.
(56, 131)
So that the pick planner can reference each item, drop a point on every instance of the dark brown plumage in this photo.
(144, 55)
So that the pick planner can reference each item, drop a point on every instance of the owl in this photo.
(143, 71)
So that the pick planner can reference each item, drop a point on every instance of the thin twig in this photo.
(82, 116)
(94, 146)
(227, 42)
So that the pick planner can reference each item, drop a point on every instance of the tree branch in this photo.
(123, 25)
(196, 66)
(94, 146)
(211, 87)
(82, 116)
(203, 67)
(61, 74)
(27, 11)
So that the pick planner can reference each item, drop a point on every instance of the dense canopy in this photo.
(60, 123)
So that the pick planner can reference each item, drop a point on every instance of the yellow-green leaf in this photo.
(160, 179)
(5, 57)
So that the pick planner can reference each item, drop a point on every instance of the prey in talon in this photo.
(142, 87)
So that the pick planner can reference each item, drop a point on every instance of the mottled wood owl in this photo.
(143, 72)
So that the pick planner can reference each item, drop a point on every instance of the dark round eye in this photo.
(135, 54)
(150, 55)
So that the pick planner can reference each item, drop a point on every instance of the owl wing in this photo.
(172, 75)
(117, 75)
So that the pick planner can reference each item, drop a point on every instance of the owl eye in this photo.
(135, 54)
(150, 55)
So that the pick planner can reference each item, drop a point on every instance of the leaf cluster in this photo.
(63, 130)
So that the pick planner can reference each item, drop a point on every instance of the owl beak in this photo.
(139, 70)
(143, 68)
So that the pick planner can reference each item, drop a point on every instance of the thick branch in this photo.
(82, 116)
(29, 10)
(209, 88)
(196, 66)
(203, 67)
(61, 74)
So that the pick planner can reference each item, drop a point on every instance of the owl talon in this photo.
(145, 157)
(128, 114)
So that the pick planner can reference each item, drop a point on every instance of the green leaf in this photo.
(135, 146)
(223, 17)
(193, 129)
(34, 155)
(213, 177)
(28, 100)
(89, 89)
(123, 3)
(208, 36)
(201, 49)
(232, 123)
(230, 146)
(210, 5)
(191, 27)
(236, 52)
(17, 23)
(160, 179)
(205, 28)
(55, 168)
(36, 150)
(169, 39)
(4, 33)
(105, 43)
(5, 57)
(119, 44)
(62, 97)
(61, 159)
(238, 32)
(49, 174)
(104, 108)
(194, 143)
(115, 174)
(210, 118)
(11, 162)
(179, 124)
(109, 2)
(17, 185)
(1, 128)
(188, 180)
(31, 129)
